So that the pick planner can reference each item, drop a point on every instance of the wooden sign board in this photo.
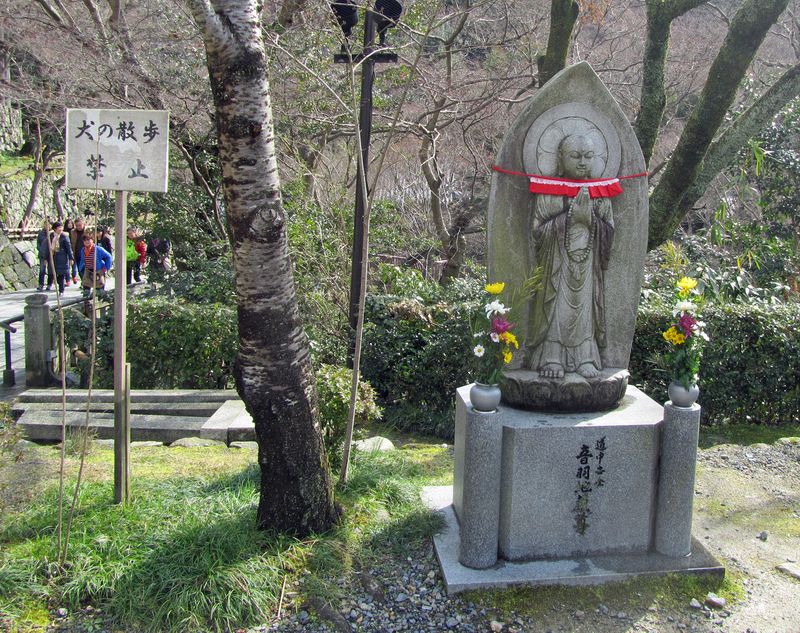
(121, 150)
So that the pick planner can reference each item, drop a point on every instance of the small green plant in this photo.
(333, 389)
(75, 439)
(10, 436)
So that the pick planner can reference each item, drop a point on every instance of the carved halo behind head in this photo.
(540, 149)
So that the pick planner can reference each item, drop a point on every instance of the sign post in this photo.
(119, 150)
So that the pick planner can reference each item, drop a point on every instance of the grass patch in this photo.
(774, 516)
(745, 434)
(185, 553)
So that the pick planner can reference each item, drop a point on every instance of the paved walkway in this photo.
(12, 304)
(161, 415)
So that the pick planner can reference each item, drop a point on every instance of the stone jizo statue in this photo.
(573, 239)
(568, 205)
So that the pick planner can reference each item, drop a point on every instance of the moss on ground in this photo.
(666, 592)
(745, 434)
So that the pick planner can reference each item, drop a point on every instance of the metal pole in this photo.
(365, 132)
(122, 433)
(8, 374)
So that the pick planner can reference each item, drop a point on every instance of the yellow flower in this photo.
(508, 337)
(673, 336)
(495, 288)
(507, 356)
(686, 284)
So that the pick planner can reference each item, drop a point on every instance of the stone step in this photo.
(230, 423)
(200, 409)
(137, 395)
(46, 425)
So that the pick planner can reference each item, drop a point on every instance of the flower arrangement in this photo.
(494, 341)
(685, 335)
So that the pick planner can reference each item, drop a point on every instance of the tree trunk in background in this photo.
(563, 15)
(660, 15)
(273, 368)
(58, 185)
(748, 29)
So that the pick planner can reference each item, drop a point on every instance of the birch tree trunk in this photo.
(273, 368)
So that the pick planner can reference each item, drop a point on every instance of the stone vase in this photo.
(484, 398)
(681, 396)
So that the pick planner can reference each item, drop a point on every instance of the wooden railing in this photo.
(17, 234)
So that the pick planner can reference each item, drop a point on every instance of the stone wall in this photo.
(19, 261)
(14, 196)
(10, 129)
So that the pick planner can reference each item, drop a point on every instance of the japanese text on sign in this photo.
(123, 150)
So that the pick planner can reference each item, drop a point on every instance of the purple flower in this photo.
(499, 326)
(687, 324)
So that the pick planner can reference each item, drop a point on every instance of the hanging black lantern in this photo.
(387, 13)
(346, 13)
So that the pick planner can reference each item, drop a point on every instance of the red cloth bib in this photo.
(598, 188)
(607, 188)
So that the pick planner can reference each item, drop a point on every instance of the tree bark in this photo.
(563, 15)
(747, 31)
(58, 185)
(660, 16)
(750, 122)
(273, 367)
(452, 244)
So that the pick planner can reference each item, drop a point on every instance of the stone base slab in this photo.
(566, 571)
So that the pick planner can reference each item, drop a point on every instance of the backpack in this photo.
(131, 254)
(158, 246)
(43, 244)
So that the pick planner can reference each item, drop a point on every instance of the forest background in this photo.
(723, 209)
(710, 87)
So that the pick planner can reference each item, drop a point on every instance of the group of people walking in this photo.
(74, 253)
(77, 252)
(81, 252)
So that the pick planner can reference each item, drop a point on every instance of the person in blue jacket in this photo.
(62, 255)
(93, 259)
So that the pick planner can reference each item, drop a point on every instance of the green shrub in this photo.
(171, 344)
(182, 215)
(208, 281)
(416, 355)
(333, 389)
(750, 371)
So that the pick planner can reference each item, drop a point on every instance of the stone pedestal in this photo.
(567, 487)
(478, 490)
(38, 340)
(679, 434)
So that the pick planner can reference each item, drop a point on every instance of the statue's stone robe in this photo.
(567, 321)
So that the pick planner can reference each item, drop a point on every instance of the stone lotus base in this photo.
(526, 389)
